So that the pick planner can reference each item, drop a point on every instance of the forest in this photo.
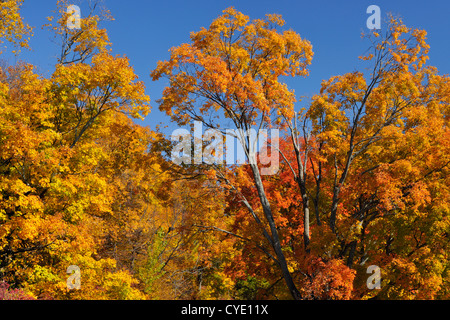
(362, 180)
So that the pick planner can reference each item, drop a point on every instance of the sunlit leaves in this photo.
(82, 184)
(234, 65)
(12, 27)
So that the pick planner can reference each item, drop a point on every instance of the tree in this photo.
(82, 184)
(54, 188)
(371, 154)
(381, 145)
(363, 178)
(12, 27)
(350, 154)
(233, 69)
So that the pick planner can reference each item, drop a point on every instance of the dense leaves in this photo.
(363, 177)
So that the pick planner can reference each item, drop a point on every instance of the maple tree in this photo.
(53, 198)
(379, 155)
(234, 67)
(82, 184)
(12, 27)
(363, 177)
(371, 158)
(349, 156)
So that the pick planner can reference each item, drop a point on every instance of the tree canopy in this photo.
(363, 178)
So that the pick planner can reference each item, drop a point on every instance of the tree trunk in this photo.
(305, 202)
(306, 238)
(274, 234)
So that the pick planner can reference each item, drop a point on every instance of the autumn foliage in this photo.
(363, 178)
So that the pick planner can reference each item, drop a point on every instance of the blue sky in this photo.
(145, 30)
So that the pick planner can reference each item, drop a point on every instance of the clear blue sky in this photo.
(145, 30)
